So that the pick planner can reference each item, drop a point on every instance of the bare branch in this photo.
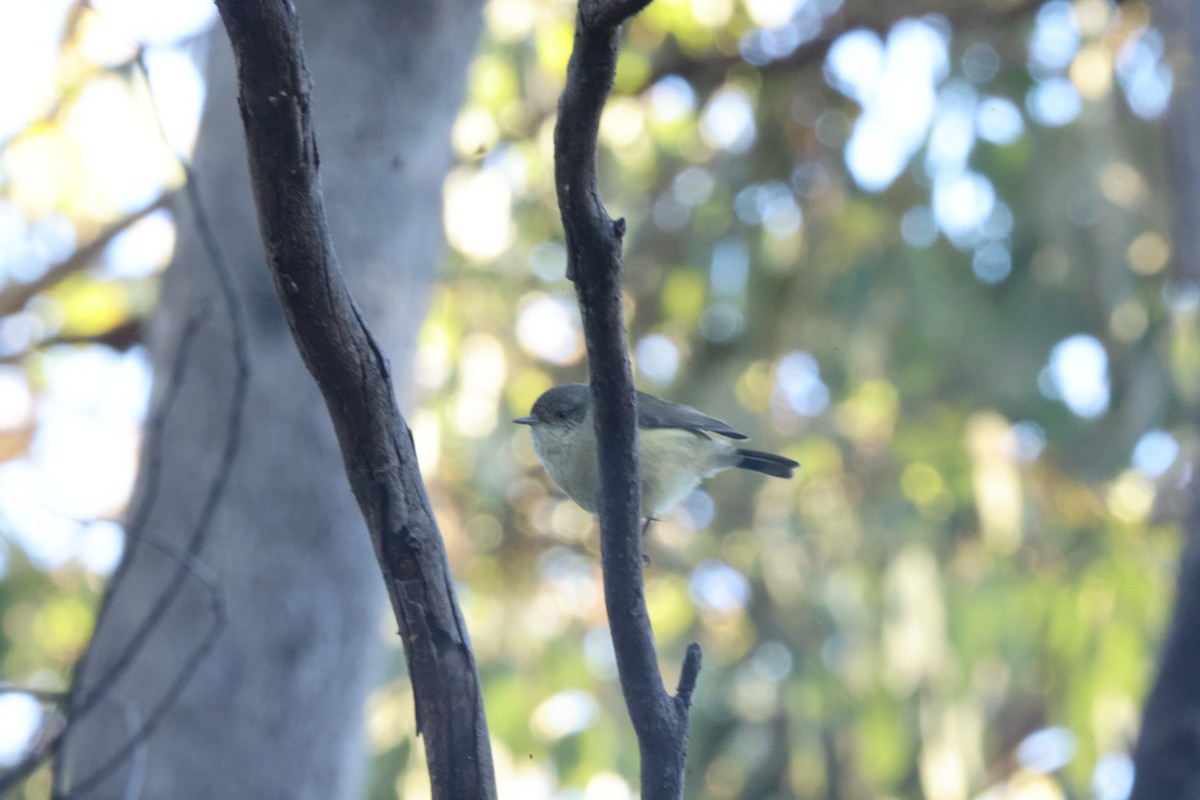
(594, 263)
(16, 295)
(139, 729)
(688, 674)
(82, 703)
(354, 378)
(873, 16)
(188, 564)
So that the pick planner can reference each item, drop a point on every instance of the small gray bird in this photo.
(674, 448)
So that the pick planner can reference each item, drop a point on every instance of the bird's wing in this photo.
(656, 413)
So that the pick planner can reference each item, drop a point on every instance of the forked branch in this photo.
(594, 262)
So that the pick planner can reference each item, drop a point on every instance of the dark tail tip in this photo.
(766, 463)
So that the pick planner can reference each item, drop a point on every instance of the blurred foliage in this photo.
(961, 593)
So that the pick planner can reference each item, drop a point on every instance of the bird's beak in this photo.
(526, 421)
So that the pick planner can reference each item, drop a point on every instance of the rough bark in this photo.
(594, 263)
(274, 95)
(276, 709)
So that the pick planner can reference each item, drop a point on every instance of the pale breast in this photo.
(571, 463)
(673, 463)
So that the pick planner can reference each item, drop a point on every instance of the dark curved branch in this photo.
(353, 376)
(594, 261)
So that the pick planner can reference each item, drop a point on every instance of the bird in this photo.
(675, 449)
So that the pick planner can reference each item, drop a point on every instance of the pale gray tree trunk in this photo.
(276, 709)
(1167, 759)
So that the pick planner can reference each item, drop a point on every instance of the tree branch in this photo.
(139, 729)
(16, 295)
(353, 376)
(82, 700)
(594, 262)
(972, 19)
(187, 560)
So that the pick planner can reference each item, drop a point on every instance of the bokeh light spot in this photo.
(672, 98)
(1054, 102)
(1148, 253)
(1112, 778)
(477, 212)
(719, 587)
(657, 358)
(20, 716)
(998, 120)
(1154, 453)
(992, 262)
(1078, 373)
(728, 120)
(1055, 37)
(1047, 750)
(563, 714)
(798, 384)
(549, 328)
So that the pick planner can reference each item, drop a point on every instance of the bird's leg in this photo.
(645, 528)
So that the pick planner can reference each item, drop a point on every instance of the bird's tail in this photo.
(766, 463)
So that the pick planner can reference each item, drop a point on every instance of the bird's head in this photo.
(564, 406)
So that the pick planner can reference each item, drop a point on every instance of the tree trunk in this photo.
(275, 709)
(1167, 759)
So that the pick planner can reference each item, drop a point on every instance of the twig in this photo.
(354, 378)
(133, 746)
(79, 703)
(16, 295)
(84, 74)
(137, 768)
(186, 560)
(594, 261)
(877, 17)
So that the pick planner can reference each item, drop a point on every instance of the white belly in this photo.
(673, 462)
